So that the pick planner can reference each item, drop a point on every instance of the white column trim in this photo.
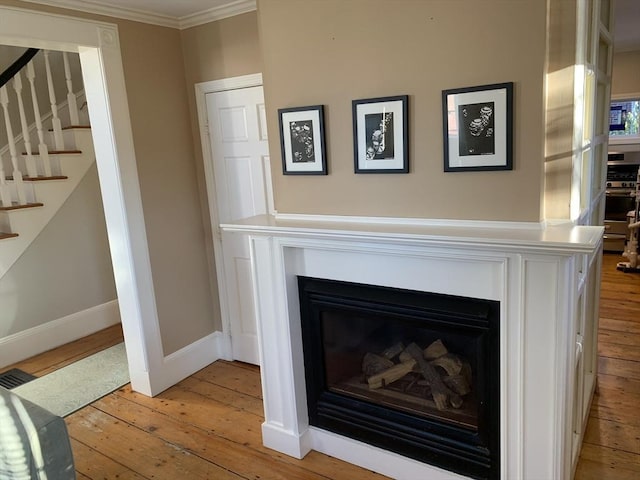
(99, 49)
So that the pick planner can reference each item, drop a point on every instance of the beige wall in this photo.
(222, 49)
(8, 55)
(217, 50)
(157, 93)
(625, 78)
(331, 52)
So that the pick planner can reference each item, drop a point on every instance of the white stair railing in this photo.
(5, 193)
(56, 123)
(17, 174)
(37, 191)
(72, 101)
(26, 162)
(43, 149)
(30, 161)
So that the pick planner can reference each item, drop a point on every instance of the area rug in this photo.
(70, 388)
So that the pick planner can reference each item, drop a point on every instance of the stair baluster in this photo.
(57, 125)
(43, 149)
(72, 102)
(17, 175)
(5, 193)
(22, 192)
(30, 162)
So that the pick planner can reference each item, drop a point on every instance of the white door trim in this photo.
(202, 89)
(98, 46)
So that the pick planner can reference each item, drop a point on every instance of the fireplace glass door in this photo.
(412, 372)
(370, 358)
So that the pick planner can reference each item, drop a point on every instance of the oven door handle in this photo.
(614, 193)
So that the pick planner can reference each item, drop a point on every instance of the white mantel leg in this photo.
(286, 425)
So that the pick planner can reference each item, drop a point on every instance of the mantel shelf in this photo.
(563, 238)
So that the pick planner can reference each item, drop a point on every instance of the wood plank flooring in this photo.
(611, 446)
(208, 425)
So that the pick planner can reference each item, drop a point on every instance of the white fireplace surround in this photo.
(537, 273)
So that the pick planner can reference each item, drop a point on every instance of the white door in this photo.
(240, 155)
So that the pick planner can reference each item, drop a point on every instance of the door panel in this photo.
(238, 136)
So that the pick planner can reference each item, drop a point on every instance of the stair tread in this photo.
(4, 235)
(18, 206)
(57, 152)
(71, 127)
(60, 152)
(41, 178)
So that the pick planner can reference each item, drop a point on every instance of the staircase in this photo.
(42, 164)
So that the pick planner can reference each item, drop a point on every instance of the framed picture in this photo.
(302, 140)
(380, 135)
(478, 128)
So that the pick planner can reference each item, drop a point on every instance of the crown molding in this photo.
(217, 13)
(210, 15)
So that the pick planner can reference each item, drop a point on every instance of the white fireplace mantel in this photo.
(545, 278)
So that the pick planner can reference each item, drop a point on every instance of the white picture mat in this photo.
(499, 158)
(397, 161)
(287, 118)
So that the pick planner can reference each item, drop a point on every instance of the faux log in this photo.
(373, 364)
(435, 350)
(458, 383)
(439, 390)
(450, 362)
(393, 350)
(390, 375)
(405, 356)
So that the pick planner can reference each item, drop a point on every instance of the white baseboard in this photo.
(376, 459)
(286, 441)
(188, 360)
(33, 341)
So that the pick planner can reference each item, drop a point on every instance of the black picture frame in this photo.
(381, 135)
(302, 140)
(478, 128)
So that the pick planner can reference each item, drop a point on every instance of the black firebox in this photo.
(411, 372)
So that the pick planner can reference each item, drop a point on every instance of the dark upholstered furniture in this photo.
(34, 443)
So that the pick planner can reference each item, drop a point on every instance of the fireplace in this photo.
(537, 367)
(411, 372)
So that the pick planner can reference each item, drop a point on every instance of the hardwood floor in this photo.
(208, 426)
(611, 447)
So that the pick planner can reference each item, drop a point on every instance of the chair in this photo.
(34, 443)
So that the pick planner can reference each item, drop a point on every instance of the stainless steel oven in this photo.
(622, 175)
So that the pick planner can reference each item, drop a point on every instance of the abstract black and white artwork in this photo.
(477, 129)
(380, 135)
(302, 140)
(477, 125)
